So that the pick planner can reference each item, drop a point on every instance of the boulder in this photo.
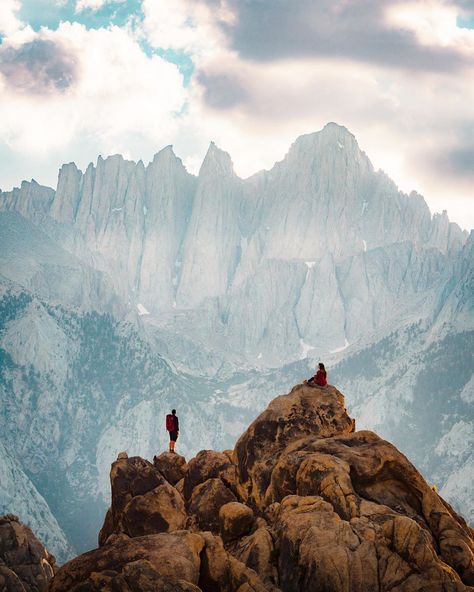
(220, 572)
(208, 464)
(180, 487)
(320, 552)
(25, 564)
(158, 510)
(257, 551)
(172, 466)
(206, 502)
(305, 411)
(168, 561)
(107, 528)
(143, 502)
(236, 520)
(130, 477)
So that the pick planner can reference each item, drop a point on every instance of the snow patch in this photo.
(310, 264)
(117, 209)
(467, 393)
(145, 210)
(340, 145)
(342, 348)
(365, 205)
(142, 310)
(305, 349)
(365, 245)
(457, 441)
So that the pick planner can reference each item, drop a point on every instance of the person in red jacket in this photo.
(172, 425)
(320, 378)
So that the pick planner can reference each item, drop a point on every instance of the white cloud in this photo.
(184, 25)
(9, 21)
(118, 92)
(433, 22)
(93, 5)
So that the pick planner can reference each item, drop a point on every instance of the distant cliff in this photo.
(172, 243)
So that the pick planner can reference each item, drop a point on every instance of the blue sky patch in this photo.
(466, 22)
(43, 13)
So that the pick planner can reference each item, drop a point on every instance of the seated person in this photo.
(320, 378)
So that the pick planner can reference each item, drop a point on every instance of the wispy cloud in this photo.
(94, 5)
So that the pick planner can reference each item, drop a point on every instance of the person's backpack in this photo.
(170, 422)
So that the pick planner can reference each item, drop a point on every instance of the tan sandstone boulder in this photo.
(206, 502)
(208, 464)
(25, 565)
(348, 510)
(168, 561)
(172, 466)
(257, 551)
(236, 520)
(220, 572)
(303, 412)
(143, 502)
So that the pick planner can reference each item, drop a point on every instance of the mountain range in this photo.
(131, 289)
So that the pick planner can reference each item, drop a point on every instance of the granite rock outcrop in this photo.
(303, 503)
(25, 564)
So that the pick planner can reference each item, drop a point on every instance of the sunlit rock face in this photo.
(303, 502)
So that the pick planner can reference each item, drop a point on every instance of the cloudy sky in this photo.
(80, 78)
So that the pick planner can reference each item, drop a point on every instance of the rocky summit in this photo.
(304, 503)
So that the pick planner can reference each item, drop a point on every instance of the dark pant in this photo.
(173, 436)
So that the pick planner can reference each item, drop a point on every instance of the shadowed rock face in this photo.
(25, 565)
(304, 503)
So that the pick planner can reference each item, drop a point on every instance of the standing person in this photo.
(320, 378)
(172, 425)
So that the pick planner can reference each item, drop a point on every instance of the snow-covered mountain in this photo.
(129, 282)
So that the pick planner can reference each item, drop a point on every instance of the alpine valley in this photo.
(131, 289)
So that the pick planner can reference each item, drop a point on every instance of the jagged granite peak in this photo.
(66, 199)
(166, 154)
(216, 162)
(332, 137)
(212, 247)
(31, 199)
(303, 502)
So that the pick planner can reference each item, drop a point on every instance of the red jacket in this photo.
(320, 378)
